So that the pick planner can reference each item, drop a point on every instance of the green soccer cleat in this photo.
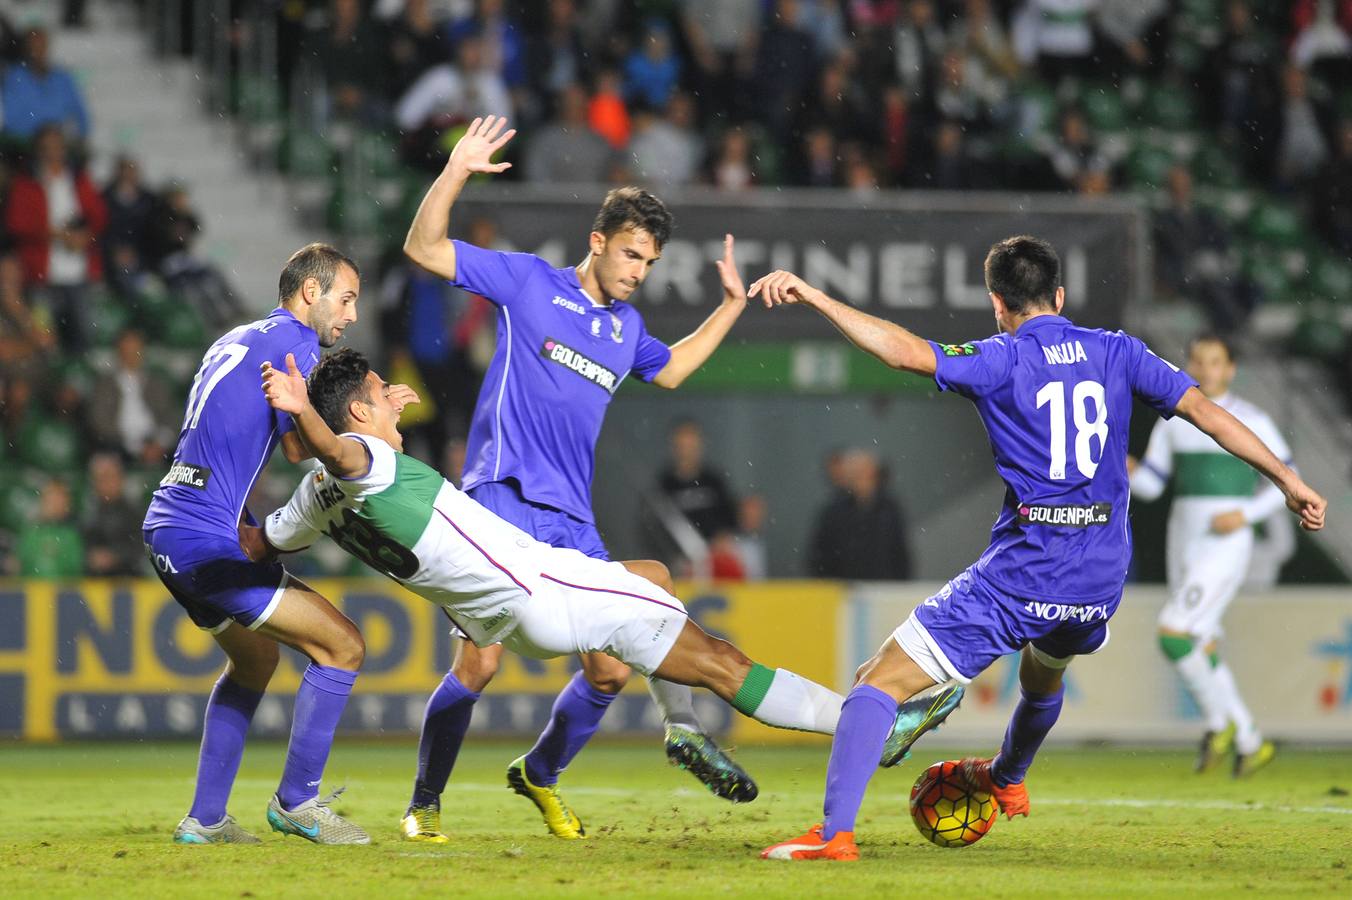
(423, 824)
(700, 756)
(559, 819)
(1248, 763)
(315, 821)
(1216, 745)
(923, 712)
(226, 831)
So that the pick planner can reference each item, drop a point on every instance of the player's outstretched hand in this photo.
(1309, 505)
(285, 390)
(254, 545)
(402, 395)
(473, 153)
(783, 287)
(734, 289)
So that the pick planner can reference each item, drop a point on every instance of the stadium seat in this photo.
(1170, 107)
(1216, 166)
(1275, 224)
(1263, 265)
(1148, 166)
(19, 490)
(50, 445)
(183, 330)
(1319, 336)
(1330, 278)
(1104, 107)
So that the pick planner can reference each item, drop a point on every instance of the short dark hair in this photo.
(630, 207)
(1025, 271)
(318, 261)
(339, 379)
(1212, 337)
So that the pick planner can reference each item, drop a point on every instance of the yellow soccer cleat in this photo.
(423, 824)
(1216, 745)
(558, 817)
(1248, 763)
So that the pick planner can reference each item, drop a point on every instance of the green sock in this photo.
(753, 689)
(1175, 646)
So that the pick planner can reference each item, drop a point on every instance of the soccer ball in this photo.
(948, 810)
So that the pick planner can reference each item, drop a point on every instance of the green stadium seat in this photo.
(19, 496)
(50, 445)
(1319, 336)
(305, 154)
(1276, 224)
(1215, 166)
(1104, 107)
(183, 330)
(1170, 107)
(258, 100)
(107, 318)
(1330, 278)
(1263, 266)
(1148, 166)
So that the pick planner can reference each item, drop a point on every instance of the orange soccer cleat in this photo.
(1013, 798)
(841, 848)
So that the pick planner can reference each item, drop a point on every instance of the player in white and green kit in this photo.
(1217, 501)
(495, 581)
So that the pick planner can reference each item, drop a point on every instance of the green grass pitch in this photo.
(93, 820)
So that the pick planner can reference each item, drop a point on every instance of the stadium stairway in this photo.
(152, 110)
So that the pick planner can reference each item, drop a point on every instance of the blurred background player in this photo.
(1218, 500)
(191, 535)
(1053, 573)
(567, 338)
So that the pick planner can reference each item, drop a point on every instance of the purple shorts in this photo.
(971, 623)
(544, 523)
(213, 580)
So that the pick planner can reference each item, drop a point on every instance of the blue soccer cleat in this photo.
(924, 712)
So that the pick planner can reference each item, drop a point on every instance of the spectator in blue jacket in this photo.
(37, 93)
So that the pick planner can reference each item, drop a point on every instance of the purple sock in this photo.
(576, 715)
(1033, 718)
(319, 704)
(444, 726)
(866, 719)
(229, 711)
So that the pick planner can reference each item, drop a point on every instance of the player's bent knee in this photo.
(654, 571)
(605, 673)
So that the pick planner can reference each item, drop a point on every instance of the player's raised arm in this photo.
(1237, 439)
(427, 243)
(344, 457)
(693, 350)
(886, 340)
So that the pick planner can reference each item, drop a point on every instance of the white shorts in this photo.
(1203, 586)
(588, 605)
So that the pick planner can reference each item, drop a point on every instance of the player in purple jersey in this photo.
(1056, 402)
(567, 338)
(191, 535)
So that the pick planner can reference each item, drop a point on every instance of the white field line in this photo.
(1087, 802)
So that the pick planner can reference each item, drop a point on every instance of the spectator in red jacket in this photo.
(56, 216)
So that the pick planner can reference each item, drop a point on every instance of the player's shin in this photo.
(1033, 718)
(443, 732)
(574, 719)
(229, 712)
(676, 702)
(780, 698)
(320, 702)
(1195, 668)
(866, 720)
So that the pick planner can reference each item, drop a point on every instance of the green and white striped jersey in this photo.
(404, 519)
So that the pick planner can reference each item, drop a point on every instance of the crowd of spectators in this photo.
(89, 272)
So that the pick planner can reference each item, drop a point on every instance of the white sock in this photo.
(677, 703)
(1247, 737)
(1201, 681)
(796, 703)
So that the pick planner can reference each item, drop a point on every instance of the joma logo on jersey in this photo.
(1073, 516)
(1065, 354)
(570, 305)
(960, 349)
(187, 475)
(589, 369)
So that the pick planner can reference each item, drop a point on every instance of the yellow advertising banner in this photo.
(104, 659)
